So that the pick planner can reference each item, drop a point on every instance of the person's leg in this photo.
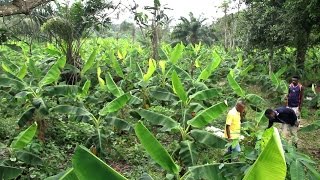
(284, 131)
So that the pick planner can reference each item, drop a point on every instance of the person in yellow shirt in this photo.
(233, 125)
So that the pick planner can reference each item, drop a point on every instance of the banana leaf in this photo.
(90, 62)
(255, 99)
(151, 69)
(166, 122)
(62, 90)
(176, 53)
(69, 175)
(118, 123)
(178, 87)
(271, 163)
(296, 170)
(163, 94)
(234, 85)
(188, 153)
(22, 72)
(88, 166)
(155, 149)
(311, 127)
(205, 94)
(115, 104)
(208, 139)
(29, 158)
(24, 137)
(112, 86)
(9, 82)
(26, 117)
(7, 172)
(71, 110)
(208, 115)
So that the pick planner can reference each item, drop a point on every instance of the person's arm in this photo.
(228, 131)
(301, 98)
(270, 124)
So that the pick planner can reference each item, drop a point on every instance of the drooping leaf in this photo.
(178, 87)
(151, 69)
(88, 166)
(52, 76)
(35, 71)
(296, 170)
(271, 163)
(9, 82)
(205, 94)
(188, 153)
(71, 110)
(162, 94)
(62, 90)
(208, 115)
(22, 72)
(101, 81)
(145, 176)
(166, 122)
(29, 158)
(7, 172)
(115, 104)
(208, 139)
(246, 70)
(215, 171)
(162, 65)
(181, 73)
(26, 117)
(69, 175)
(255, 99)
(115, 64)
(24, 137)
(112, 86)
(155, 149)
(90, 61)
(85, 88)
(118, 123)
(312, 170)
(235, 86)
(205, 74)
(176, 53)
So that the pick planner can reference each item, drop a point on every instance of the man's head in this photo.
(240, 106)
(295, 80)
(270, 114)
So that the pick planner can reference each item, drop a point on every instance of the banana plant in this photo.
(99, 119)
(18, 153)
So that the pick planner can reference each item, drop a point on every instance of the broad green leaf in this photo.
(166, 122)
(7, 172)
(215, 171)
(88, 166)
(115, 104)
(311, 127)
(22, 72)
(208, 115)
(85, 88)
(178, 87)
(274, 79)
(205, 74)
(235, 86)
(151, 69)
(208, 139)
(101, 81)
(145, 176)
(246, 70)
(115, 64)
(90, 61)
(61, 62)
(181, 73)
(162, 94)
(205, 94)
(155, 149)
(311, 169)
(62, 90)
(112, 86)
(7, 68)
(281, 71)
(26, 117)
(240, 61)
(296, 170)
(255, 99)
(68, 175)
(176, 54)
(29, 158)
(24, 137)
(71, 110)
(62, 175)
(117, 123)
(9, 82)
(52, 76)
(188, 153)
(271, 163)
(162, 65)
(35, 71)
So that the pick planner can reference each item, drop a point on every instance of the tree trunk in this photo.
(302, 47)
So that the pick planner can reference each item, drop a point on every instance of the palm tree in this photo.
(193, 31)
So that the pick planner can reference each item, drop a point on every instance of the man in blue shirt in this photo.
(288, 118)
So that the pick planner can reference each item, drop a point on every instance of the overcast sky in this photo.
(206, 8)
